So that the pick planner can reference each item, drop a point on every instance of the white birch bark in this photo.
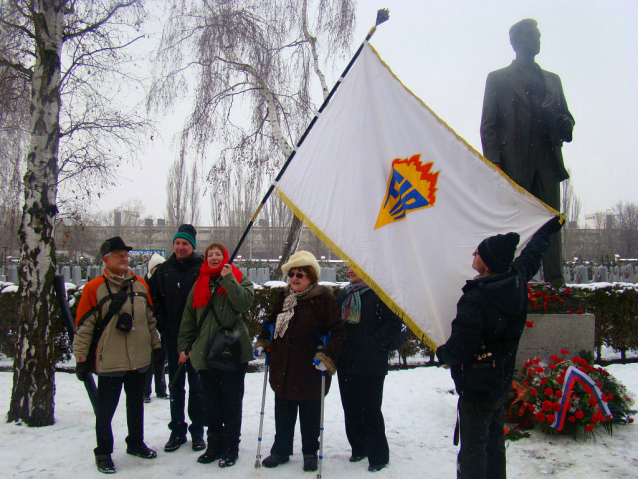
(33, 369)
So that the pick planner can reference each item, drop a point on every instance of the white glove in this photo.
(320, 365)
(259, 353)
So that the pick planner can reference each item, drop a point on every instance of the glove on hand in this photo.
(82, 370)
(259, 352)
(552, 226)
(320, 365)
(158, 357)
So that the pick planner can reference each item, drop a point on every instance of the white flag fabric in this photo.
(392, 189)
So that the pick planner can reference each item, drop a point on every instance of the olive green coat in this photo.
(239, 298)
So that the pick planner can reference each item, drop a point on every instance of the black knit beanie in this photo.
(188, 233)
(497, 252)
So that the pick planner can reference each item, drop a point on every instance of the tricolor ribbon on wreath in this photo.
(573, 376)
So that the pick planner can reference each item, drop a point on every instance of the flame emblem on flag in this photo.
(411, 187)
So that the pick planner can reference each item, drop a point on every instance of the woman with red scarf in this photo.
(222, 391)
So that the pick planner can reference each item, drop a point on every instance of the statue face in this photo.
(528, 41)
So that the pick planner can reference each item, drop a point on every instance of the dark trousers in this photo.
(482, 454)
(178, 425)
(362, 398)
(546, 189)
(108, 396)
(285, 420)
(160, 380)
(223, 398)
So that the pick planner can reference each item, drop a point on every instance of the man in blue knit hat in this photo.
(170, 285)
(482, 348)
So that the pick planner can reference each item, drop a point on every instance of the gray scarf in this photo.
(288, 312)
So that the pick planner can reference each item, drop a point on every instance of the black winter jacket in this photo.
(492, 311)
(364, 352)
(170, 285)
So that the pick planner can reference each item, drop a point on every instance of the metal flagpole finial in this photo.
(383, 14)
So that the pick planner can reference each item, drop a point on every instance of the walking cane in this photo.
(324, 338)
(270, 328)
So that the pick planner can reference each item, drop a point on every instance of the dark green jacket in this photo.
(239, 298)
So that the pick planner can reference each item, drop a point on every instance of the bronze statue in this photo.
(524, 124)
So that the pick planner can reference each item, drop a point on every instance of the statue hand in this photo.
(565, 127)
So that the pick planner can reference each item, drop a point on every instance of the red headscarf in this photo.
(201, 295)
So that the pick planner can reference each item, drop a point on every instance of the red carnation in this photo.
(589, 428)
(543, 381)
(610, 396)
(558, 394)
(506, 430)
(560, 379)
(596, 417)
(539, 369)
(551, 366)
(549, 392)
(551, 418)
(538, 294)
(530, 407)
(556, 406)
(568, 290)
(571, 418)
(536, 360)
(533, 392)
(580, 310)
(579, 414)
(553, 357)
(564, 351)
(592, 401)
(547, 405)
(529, 324)
(540, 416)
(525, 383)
(570, 312)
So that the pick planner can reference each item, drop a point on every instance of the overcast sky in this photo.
(443, 50)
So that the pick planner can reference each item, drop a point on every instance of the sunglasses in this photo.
(298, 275)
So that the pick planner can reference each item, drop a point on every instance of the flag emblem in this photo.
(411, 187)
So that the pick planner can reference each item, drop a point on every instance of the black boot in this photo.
(274, 460)
(105, 464)
(174, 443)
(141, 450)
(213, 452)
(198, 443)
(310, 462)
(230, 451)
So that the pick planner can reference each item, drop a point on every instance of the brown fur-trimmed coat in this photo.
(293, 375)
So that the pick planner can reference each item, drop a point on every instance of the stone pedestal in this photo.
(553, 332)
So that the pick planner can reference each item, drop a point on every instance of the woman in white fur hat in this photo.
(158, 372)
(303, 310)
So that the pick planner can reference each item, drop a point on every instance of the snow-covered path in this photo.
(419, 410)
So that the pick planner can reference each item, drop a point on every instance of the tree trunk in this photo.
(33, 368)
(291, 245)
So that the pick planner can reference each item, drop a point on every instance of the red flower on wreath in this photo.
(554, 358)
(540, 416)
(543, 381)
(564, 351)
(547, 405)
(579, 414)
(551, 418)
(560, 379)
(533, 392)
(556, 406)
(549, 392)
(531, 407)
(552, 366)
(592, 401)
(538, 294)
(571, 419)
(558, 394)
(568, 290)
(589, 428)
(580, 310)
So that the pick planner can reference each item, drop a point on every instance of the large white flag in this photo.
(392, 189)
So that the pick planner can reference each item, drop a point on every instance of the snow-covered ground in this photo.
(419, 408)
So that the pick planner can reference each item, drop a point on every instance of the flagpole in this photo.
(383, 15)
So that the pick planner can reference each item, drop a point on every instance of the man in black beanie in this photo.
(170, 286)
(481, 350)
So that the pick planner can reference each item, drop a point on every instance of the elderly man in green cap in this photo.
(170, 285)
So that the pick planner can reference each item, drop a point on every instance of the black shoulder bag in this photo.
(114, 308)
(225, 350)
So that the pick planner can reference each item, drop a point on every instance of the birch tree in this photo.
(42, 28)
(254, 63)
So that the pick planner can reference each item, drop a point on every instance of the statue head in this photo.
(525, 37)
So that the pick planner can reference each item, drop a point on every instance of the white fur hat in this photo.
(302, 258)
(156, 260)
